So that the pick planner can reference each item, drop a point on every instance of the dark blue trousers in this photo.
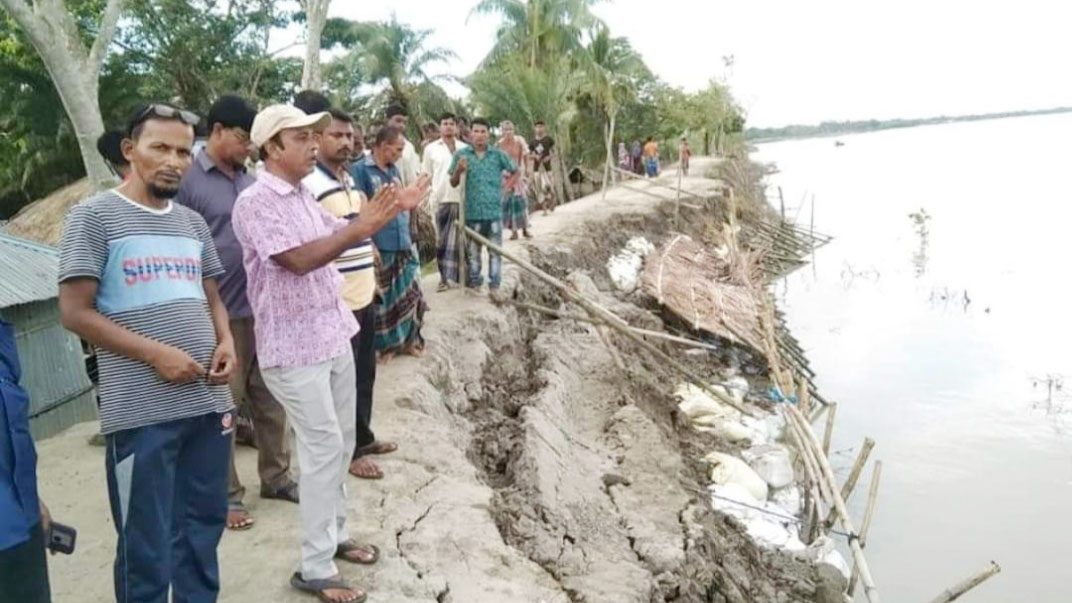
(167, 484)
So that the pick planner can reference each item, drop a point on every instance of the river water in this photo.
(945, 336)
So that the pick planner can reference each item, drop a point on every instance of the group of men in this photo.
(201, 285)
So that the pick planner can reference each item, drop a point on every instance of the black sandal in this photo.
(288, 493)
(352, 545)
(317, 587)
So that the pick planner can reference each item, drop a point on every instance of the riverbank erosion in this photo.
(535, 463)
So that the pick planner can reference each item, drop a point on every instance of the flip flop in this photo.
(373, 473)
(377, 447)
(317, 587)
(352, 545)
(242, 525)
(289, 493)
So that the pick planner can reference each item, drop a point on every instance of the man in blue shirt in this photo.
(400, 307)
(23, 519)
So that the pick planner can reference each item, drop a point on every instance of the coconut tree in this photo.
(397, 54)
(539, 30)
(611, 67)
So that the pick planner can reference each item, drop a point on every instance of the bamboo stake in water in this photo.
(839, 504)
(955, 591)
(829, 433)
(854, 476)
(865, 527)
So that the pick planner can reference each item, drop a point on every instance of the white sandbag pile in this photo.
(624, 267)
(759, 489)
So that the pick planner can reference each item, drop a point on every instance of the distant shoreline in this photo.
(837, 128)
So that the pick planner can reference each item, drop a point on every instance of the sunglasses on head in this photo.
(167, 112)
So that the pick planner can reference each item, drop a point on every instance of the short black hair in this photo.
(385, 135)
(341, 115)
(539, 122)
(430, 127)
(480, 121)
(109, 146)
(311, 102)
(462, 119)
(231, 111)
(447, 115)
(393, 110)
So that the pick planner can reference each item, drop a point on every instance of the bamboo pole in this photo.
(644, 332)
(955, 591)
(865, 528)
(829, 432)
(463, 266)
(854, 476)
(656, 183)
(839, 506)
(612, 320)
(803, 397)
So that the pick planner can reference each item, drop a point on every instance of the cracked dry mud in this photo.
(530, 469)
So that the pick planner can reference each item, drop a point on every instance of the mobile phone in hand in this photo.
(61, 538)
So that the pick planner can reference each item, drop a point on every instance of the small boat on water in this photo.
(838, 143)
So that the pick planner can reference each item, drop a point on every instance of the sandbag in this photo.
(771, 462)
(727, 469)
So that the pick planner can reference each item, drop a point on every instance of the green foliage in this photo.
(38, 151)
(191, 51)
(831, 128)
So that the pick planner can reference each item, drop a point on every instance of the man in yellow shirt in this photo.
(333, 187)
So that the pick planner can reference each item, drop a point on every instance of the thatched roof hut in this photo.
(42, 220)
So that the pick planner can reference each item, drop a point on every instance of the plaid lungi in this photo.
(515, 212)
(400, 308)
(447, 241)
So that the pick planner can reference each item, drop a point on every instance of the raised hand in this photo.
(411, 196)
(461, 167)
(381, 208)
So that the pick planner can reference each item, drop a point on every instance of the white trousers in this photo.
(321, 405)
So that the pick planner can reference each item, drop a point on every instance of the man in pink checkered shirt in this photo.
(303, 328)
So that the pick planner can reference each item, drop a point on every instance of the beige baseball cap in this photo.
(275, 118)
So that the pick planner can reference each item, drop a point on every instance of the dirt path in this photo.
(524, 474)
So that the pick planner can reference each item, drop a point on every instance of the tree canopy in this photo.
(553, 60)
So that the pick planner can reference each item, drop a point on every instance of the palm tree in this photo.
(540, 30)
(611, 66)
(395, 53)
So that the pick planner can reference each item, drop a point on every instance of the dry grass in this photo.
(712, 290)
(42, 220)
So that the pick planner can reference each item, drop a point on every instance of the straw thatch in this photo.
(42, 220)
(707, 289)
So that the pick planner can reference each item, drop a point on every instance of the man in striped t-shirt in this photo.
(333, 187)
(138, 281)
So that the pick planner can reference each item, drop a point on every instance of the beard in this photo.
(161, 191)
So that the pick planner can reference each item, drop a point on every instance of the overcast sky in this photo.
(807, 61)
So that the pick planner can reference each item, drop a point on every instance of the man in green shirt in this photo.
(483, 168)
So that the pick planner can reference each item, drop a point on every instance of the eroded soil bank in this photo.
(531, 468)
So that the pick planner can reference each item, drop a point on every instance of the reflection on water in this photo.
(945, 337)
(919, 257)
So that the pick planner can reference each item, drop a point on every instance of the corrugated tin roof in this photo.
(28, 271)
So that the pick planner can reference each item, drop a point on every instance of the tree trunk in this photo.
(73, 68)
(610, 149)
(316, 13)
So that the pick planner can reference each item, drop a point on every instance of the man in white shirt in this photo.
(409, 166)
(445, 198)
